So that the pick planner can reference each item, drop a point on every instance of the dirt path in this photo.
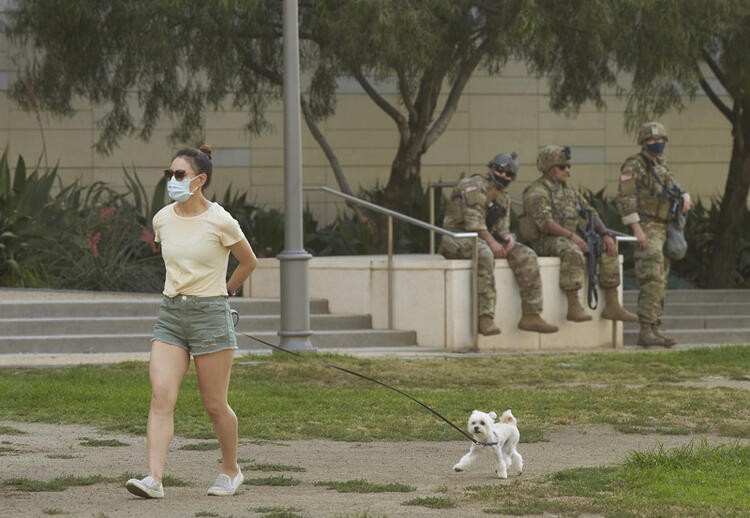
(45, 452)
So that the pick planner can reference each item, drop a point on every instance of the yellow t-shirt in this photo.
(196, 250)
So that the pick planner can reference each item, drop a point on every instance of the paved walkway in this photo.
(60, 360)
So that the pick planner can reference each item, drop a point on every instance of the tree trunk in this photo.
(723, 265)
(405, 176)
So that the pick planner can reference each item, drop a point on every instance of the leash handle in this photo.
(353, 373)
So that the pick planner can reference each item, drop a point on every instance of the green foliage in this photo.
(272, 481)
(87, 441)
(30, 220)
(642, 392)
(363, 486)
(653, 483)
(56, 484)
(347, 235)
(272, 467)
(201, 446)
(432, 502)
(74, 237)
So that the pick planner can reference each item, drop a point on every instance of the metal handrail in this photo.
(428, 226)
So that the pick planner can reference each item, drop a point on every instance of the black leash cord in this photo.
(343, 369)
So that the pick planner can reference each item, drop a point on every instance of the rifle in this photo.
(674, 195)
(494, 213)
(594, 244)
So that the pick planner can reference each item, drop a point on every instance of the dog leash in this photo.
(354, 373)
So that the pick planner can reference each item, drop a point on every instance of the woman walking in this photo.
(196, 237)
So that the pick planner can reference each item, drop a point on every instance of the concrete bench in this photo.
(432, 296)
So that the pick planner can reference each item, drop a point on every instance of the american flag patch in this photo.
(470, 188)
(625, 177)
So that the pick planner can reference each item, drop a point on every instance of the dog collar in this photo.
(487, 443)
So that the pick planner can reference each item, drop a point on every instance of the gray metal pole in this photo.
(295, 301)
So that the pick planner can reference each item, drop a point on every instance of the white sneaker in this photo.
(146, 487)
(225, 486)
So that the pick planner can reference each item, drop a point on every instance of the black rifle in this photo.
(494, 213)
(676, 201)
(594, 243)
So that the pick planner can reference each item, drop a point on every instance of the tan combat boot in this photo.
(576, 312)
(647, 337)
(487, 326)
(613, 310)
(532, 321)
(668, 340)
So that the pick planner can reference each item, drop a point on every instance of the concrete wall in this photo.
(432, 295)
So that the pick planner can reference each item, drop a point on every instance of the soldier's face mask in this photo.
(656, 148)
(502, 178)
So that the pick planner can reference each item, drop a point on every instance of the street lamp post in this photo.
(295, 305)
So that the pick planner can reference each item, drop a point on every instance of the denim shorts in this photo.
(200, 325)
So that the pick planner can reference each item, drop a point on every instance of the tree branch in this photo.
(325, 146)
(384, 105)
(405, 93)
(720, 105)
(451, 103)
(335, 164)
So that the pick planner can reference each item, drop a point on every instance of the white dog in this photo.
(499, 438)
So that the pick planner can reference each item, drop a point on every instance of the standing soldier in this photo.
(480, 204)
(552, 213)
(648, 198)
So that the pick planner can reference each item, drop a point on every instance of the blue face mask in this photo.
(656, 148)
(179, 191)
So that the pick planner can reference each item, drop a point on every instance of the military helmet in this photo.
(552, 155)
(507, 162)
(651, 130)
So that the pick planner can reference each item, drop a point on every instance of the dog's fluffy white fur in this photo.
(499, 438)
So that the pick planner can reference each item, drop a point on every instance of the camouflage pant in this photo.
(573, 263)
(651, 270)
(522, 261)
(462, 249)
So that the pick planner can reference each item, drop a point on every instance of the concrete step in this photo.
(145, 324)
(693, 296)
(696, 336)
(140, 342)
(58, 322)
(131, 307)
(699, 316)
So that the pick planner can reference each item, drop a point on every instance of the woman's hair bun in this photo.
(206, 149)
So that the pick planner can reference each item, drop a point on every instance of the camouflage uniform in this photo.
(640, 199)
(521, 259)
(467, 212)
(544, 200)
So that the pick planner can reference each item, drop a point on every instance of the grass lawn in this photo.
(635, 392)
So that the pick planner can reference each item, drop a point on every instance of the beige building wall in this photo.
(496, 114)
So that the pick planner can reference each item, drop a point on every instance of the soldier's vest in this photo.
(566, 209)
(564, 206)
(651, 189)
(468, 191)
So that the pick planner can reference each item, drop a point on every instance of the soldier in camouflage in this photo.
(552, 215)
(480, 204)
(646, 200)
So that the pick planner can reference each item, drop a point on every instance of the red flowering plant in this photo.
(75, 237)
(120, 252)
